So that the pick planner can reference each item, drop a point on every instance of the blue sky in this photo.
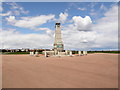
(81, 19)
(45, 8)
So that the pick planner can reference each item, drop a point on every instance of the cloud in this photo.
(103, 7)
(6, 14)
(42, 28)
(11, 19)
(48, 31)
(92, 9)
(107, 29)
(30, 22)
(93, 12)
(1, 9)
(74, 39)
(103, 34)
(63, 17)
(92, 4)
(16, 9)
(13, 39)
(82, 23)
(82, 9)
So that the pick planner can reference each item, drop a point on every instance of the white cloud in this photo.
(81, 9)
(23, 11)
(63, 17)
(112, 13)
(104, 34)
(79, 40)
(11, 18)
(12, 39)
(6, 14)
(1, 9)
(93, 12)
(107, 29)
(30, 22)
(103, 7)
(47, 30)
(82, 23)
(92, 4)
(42, 28)
(16, 12)
(16, 9)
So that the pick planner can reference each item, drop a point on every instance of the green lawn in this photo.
(115, 52)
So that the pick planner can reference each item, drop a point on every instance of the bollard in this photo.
(55, 51)
(70, 53)
(66, 52)
(58, 53)
(45, 54)
(80, 53)
(36, 54)
(32, 53)
(86, 53)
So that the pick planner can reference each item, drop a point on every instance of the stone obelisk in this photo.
(58, 44)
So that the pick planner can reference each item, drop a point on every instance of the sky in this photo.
(84, 25)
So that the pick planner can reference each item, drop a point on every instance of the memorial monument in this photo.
(58, 46)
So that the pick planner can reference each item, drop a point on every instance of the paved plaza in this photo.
(91, 71)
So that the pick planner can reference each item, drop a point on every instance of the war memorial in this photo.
(58, 49)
